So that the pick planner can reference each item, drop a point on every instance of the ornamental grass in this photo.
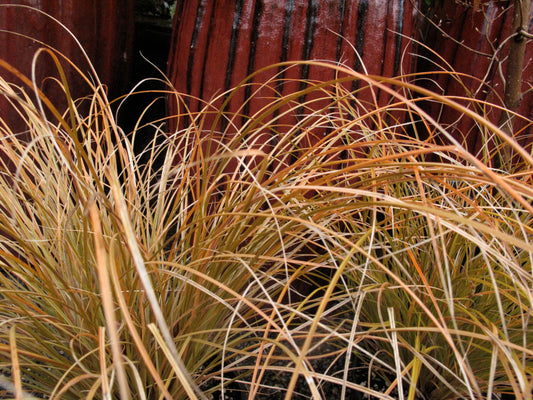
(323, 246)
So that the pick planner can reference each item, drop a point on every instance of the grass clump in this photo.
(354, 245)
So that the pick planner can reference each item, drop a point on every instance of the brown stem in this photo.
(515, 64)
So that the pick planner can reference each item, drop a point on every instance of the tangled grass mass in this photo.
(324, 242)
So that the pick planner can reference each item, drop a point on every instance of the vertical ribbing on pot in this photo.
(103, 27)
(474, 42)
(216, 45)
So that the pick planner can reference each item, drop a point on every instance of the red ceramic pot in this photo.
(466, 38)
(216, 44)
(104, 28)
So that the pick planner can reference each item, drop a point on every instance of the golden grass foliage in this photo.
(320, 230)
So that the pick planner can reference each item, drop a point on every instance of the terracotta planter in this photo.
(104, 28)
(217, 44)
(475, 33)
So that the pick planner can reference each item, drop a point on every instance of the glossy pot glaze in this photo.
(103, 27)
(216, 44)
(474, 42)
